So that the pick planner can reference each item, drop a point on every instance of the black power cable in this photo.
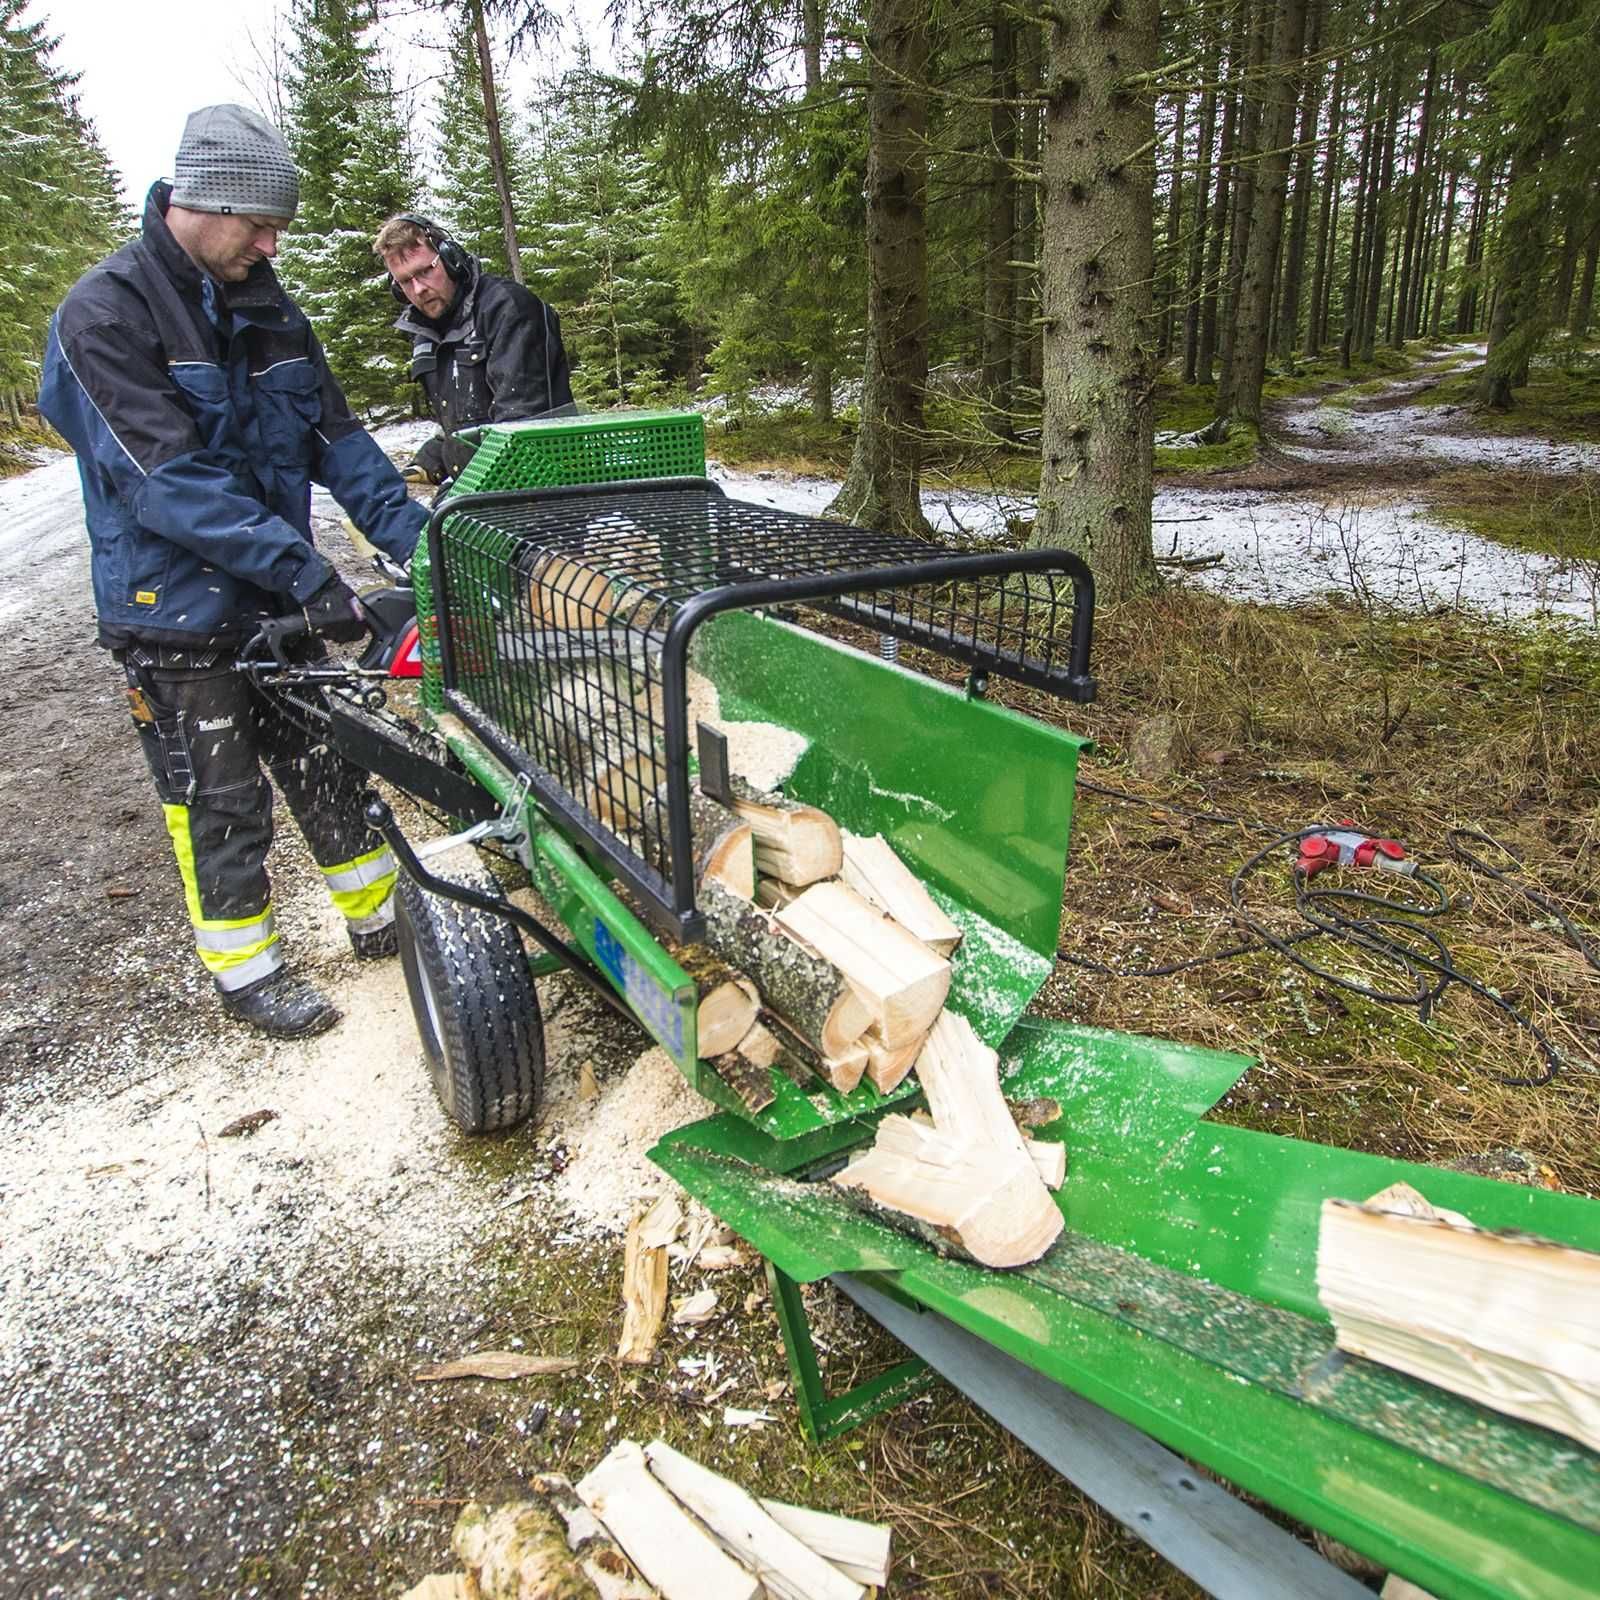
(1389, 934)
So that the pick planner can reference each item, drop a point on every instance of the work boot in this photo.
(281, 1006)
(375, 944)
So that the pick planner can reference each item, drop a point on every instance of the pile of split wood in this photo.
(825, 957)
(650, 1522)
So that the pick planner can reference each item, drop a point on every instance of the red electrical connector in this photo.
(1344, 846)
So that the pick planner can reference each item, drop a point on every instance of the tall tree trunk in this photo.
(1227, 154)
(1571, 247)
(1244, 192)
(813, 24)
(1202, 216)
(1516, 320)
(999, 296)
(1410, 262)
(1030, 345)
(1300, 213)
(1097, 445)
(1361, 205)
(1256, 282)
(1378, 239)
(497, 148)
(883, 486)
(1332, 174)
(1467, 303)
(1583, 304)
(1169, 276)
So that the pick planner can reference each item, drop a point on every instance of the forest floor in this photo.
(208, 1343)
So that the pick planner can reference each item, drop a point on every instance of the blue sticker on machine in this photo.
(652, 1004)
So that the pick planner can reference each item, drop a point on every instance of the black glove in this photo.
(335, 613)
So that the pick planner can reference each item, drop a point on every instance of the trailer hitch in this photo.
(381, 819)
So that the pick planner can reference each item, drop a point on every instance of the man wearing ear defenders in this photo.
(483, 348)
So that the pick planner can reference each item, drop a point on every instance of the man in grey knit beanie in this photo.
(202, 410)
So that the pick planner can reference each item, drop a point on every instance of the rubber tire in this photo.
(474, 1002)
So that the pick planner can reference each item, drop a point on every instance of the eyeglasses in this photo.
(421, 272)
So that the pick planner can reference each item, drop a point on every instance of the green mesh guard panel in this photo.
(604, 447)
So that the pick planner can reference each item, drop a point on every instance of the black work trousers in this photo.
(211, 739)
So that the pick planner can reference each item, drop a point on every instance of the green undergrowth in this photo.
(1313, 374)
(17, 440)
(1555, 403)
(1558, 516)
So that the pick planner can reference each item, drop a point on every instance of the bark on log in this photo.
(747, 1068)
(601, 1562)
(516, 1551)
(808, 993)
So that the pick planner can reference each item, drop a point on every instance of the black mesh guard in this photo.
(565, 618)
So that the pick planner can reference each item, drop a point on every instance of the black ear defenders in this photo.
(452, 257)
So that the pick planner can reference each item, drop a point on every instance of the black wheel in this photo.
(474, 1002)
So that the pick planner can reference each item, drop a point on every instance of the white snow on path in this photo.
(1390, 555)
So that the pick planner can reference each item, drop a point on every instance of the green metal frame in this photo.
(823, 1417)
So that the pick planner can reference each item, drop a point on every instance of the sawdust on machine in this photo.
(762, 753)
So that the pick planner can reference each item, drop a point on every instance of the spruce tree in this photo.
(597, 251)
(349, 140)
(59, 209)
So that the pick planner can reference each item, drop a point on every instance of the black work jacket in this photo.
(496, 355)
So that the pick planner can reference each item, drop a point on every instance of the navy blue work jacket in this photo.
(201, 414)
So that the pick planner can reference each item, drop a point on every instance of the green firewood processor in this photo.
(1175, 1322)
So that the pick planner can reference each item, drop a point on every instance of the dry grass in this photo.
(1412, 727)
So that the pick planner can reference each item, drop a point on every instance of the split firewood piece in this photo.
(1505, 1318)
(516, 1549)
(1049, 1157)
(788, 1568)
(667, 1545)
(729, 1001)
(888, 1068)
(794, 842)
(644, 1292)
(842, 1071)
(771, 893)
(600, 1561)
(880, 877)
(902, 981)
(747, 1068)
(566, 594)
(960, 1194)
(724, 844)
(860, 1550)
(810, 994)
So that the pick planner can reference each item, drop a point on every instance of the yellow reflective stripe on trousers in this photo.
(363, 889)
(236, 951)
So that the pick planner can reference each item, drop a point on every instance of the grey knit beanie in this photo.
(232, 160)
